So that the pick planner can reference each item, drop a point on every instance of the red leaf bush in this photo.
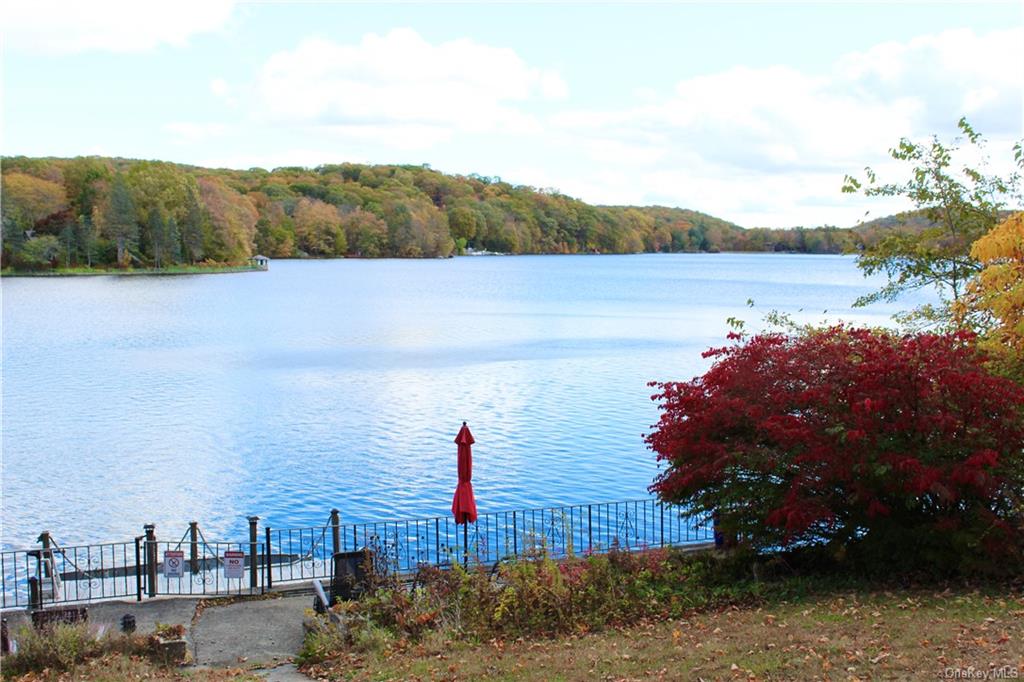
(895, 447)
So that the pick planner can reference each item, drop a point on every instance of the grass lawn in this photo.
(842, 636)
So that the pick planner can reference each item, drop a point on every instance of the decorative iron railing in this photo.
(146, 567)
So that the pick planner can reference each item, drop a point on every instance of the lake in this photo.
(342, 383)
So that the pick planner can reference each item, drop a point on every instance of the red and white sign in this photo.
(174, 564)
(234, 564)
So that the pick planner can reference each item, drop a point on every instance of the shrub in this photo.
(532, 597)
(321, 641)
(64, 646)
(56, 648)
(168, 630)
(894, 448)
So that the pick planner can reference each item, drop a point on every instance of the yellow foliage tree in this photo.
(28, 199)
(997, 293)
(318, 229)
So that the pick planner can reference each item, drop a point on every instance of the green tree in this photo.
(960, 203)
(699, 238)
(40, 251)
(366, 234)
(119, 220)
(156, 229)
(13, 238)
(158, 184)
(83, 180)
(70, 243)
(173, 241)
(85, 237)
(192, 227)
(275, 237)
(462, 222)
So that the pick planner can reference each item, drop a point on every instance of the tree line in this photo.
(96, 211)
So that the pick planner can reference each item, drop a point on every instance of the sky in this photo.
(752, 112)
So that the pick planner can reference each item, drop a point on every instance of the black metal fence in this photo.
(136, 569)
(53, 574)
(146, 567)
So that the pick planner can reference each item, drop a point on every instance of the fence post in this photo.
(336, 530)
(138, 569)
(151, 558)
(35, 594)
(45, 555)
(267, 554)
(193, 541)
(253, 557)
(515, 536)
(661, 505)
(590, 528)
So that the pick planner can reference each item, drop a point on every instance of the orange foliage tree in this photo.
(232, 220)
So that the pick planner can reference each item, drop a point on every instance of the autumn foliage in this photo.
(893, 447)
(998, 292)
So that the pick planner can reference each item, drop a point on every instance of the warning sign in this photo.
(174, 564)
(234, 564)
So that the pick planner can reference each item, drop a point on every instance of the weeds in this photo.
(64, 646)
(537, 596)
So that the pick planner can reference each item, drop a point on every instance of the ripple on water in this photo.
(342, 384)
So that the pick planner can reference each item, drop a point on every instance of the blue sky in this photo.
(749, 111)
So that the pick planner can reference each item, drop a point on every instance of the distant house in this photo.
(261, 262)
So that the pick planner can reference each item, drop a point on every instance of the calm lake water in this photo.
(342, 384)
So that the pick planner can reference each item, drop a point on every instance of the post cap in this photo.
(253, 519)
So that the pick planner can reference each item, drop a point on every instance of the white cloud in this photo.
(224, 92)
(219, 87)
(402, 82)
(759, 145)
(771, 118)
(552, 86)
(615, 153)
(61, 27)
(409, 137)
(186, 131)
(954, 71)
(769, 145)
(307, 158)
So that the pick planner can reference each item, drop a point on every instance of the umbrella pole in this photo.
(465, 544)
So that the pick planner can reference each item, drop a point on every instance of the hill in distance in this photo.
(106, 211)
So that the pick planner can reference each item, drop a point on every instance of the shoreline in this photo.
(139, 272)
(227, 269)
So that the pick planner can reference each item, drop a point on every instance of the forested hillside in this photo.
(94, 211)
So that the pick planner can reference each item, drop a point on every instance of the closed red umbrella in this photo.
(463, 504)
